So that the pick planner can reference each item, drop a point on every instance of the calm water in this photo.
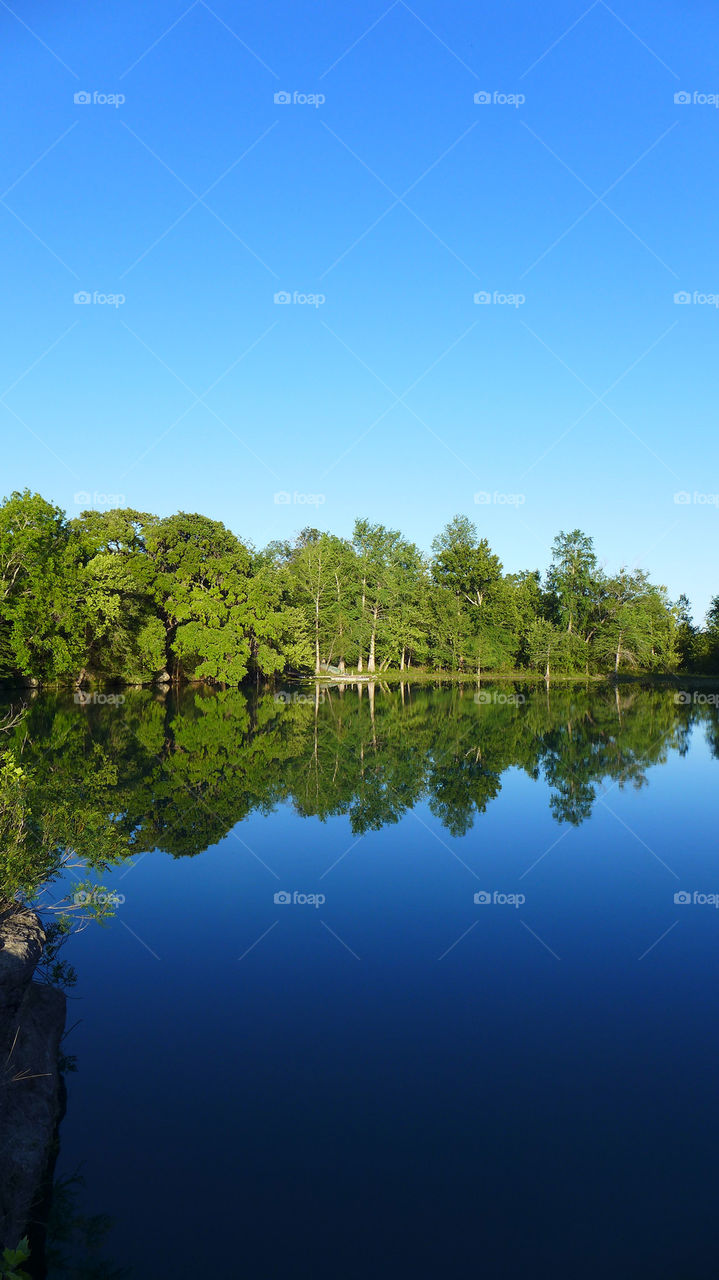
(398, 1079)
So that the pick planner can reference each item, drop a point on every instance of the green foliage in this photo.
(41, 612)
(49, 816)
(572, 580)
(11, 1263)
(464, 564)
(122, 596)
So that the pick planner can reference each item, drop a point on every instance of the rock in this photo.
(32, 1021)
(22, 938)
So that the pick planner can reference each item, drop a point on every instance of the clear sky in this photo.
(589, 400)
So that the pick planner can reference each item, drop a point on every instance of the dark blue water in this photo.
(400, 1080)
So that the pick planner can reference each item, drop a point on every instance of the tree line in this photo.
(127, 596)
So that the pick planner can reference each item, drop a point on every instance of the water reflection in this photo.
(177, 771)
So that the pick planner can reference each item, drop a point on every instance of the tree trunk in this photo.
(373, 640)
(364, 597)
(401, 661)
(371, 695)
(317, 634)
(341, 661)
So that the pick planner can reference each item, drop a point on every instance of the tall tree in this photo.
(464, 563)
(572, 580)
(383, 557)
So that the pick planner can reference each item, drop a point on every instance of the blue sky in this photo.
(590, 400)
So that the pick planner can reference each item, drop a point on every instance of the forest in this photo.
(123, 596)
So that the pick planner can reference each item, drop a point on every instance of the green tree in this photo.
(572, 580)
(383, 557)
(41, 599)
(124, 637)
(201, 586)
(710, 637)
(463, 563)
(316, 569)
(636, 626)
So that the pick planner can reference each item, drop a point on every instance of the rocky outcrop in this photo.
(32, 1021)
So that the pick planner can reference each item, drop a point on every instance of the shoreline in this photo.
(513, 677)
(393, 675)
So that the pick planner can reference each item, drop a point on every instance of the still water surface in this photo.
(397, 1078)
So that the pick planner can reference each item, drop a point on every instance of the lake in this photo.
(401, 981)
